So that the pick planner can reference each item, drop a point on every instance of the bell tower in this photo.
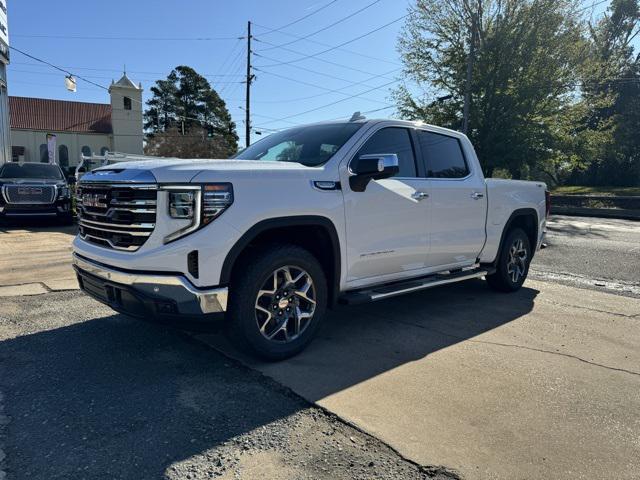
(126, 115)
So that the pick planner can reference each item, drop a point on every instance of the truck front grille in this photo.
(118, 216)
(29, 194)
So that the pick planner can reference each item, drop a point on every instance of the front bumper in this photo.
(59, 208)
(143, 293)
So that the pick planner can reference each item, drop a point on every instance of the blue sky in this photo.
(164, 34)
(279, 90)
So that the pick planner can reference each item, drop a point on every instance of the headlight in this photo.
(182, 204)
(200, 204)
(216, 198)
(63, 192)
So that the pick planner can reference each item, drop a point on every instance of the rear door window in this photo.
(442, 155)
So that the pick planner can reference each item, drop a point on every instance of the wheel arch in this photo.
(315, 233)
(525, 218)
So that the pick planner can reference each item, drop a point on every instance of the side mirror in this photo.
(372, 167)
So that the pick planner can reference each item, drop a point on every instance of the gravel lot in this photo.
(92, 394)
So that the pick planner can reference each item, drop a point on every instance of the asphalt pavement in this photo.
(454, 381)
(86, 393)
(595, 253)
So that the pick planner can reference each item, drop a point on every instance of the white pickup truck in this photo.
(343, 212)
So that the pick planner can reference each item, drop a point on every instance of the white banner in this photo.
(51, 147)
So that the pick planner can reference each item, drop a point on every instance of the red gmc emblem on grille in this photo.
(29, 191)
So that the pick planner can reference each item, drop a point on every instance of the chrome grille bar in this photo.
(123, 232)
(118, 216)
(91, 224)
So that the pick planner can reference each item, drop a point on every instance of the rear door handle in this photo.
(477, 195)
(419, 195)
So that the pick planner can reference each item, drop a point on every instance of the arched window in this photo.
(104, 151)
(44, 153)
(63, 157)
(86, 151)
(127, 103)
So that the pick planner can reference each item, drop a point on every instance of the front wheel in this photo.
(513, 263)
(277, 300)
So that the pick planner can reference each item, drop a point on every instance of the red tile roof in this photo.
(59, 115)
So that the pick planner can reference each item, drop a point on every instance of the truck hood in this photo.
(179, 170)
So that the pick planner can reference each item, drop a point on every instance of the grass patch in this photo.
(581, 190)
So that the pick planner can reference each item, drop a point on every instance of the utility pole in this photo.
(248, 96)
(470, 59)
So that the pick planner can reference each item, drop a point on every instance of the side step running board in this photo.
(380, 292)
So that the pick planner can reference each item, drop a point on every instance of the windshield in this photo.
(43, 171)
(310, 146)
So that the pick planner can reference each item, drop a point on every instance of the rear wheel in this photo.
(277, 300)
(513, 263)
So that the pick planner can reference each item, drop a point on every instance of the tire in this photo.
(512, 267)
(263, 302)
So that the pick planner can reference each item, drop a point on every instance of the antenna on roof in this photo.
(356, 117)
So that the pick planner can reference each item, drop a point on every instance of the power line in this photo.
(229, 56)
(273, 130)
(119, 70)
(343, 19)
(271, 118)
(352, 52)
(237, 67)
(313, 55)
(329, 90)
(332, 103)
(31, 72)
(134, 39)
(329, 62)
(301, 18)
(328, 75)
(594, 4)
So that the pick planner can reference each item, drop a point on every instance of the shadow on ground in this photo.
(357, 343)
(97, 396)
(36, 224)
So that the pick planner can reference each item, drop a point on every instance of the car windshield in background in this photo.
(31, 170)
(310, 146)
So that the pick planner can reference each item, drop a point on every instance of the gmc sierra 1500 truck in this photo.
(305, 218)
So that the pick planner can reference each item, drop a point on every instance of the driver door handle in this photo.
(477, 195)
(419, 195)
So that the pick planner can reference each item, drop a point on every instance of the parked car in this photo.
(345, 212)
(34, 190)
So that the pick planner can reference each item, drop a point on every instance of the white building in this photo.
(80, 127)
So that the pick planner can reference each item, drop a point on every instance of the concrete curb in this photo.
(595, 212)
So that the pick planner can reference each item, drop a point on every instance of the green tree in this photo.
(198, 142)
(607, 130)
(184, 103)
(526, 54)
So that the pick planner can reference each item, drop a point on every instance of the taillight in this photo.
(547, 201)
